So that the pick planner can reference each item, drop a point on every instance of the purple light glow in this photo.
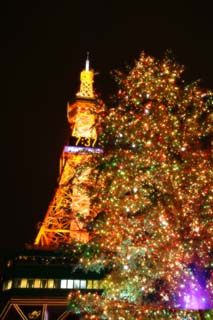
(192, 296)
(74, 149)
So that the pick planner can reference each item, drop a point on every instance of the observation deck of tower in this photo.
(70, 206)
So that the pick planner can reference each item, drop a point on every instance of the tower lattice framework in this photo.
(71, 205)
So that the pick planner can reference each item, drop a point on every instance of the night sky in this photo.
(43, 50)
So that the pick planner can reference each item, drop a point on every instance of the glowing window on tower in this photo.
(70, 284)
(76, 284)
(23, 283)
(63, 284)
(7, 285)
(100, 284)
(89, 284)
(95, 284)
(73, 284)
(37, 283)
(50, 283)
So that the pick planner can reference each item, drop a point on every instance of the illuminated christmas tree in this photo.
(155, 197)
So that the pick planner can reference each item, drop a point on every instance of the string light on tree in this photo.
(155, 195)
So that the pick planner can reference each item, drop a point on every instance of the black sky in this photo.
(43, 50)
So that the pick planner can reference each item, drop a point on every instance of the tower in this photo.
(36, 281)
(70, 206)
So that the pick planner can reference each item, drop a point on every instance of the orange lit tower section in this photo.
(66, 215)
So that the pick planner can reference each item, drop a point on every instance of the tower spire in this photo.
(87, 62)
(86, 78)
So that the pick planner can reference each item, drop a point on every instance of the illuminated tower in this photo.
(70, 206)
(36, 281)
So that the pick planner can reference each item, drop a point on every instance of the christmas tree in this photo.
(154, 199)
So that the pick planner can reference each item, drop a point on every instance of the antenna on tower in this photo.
(87, 62)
